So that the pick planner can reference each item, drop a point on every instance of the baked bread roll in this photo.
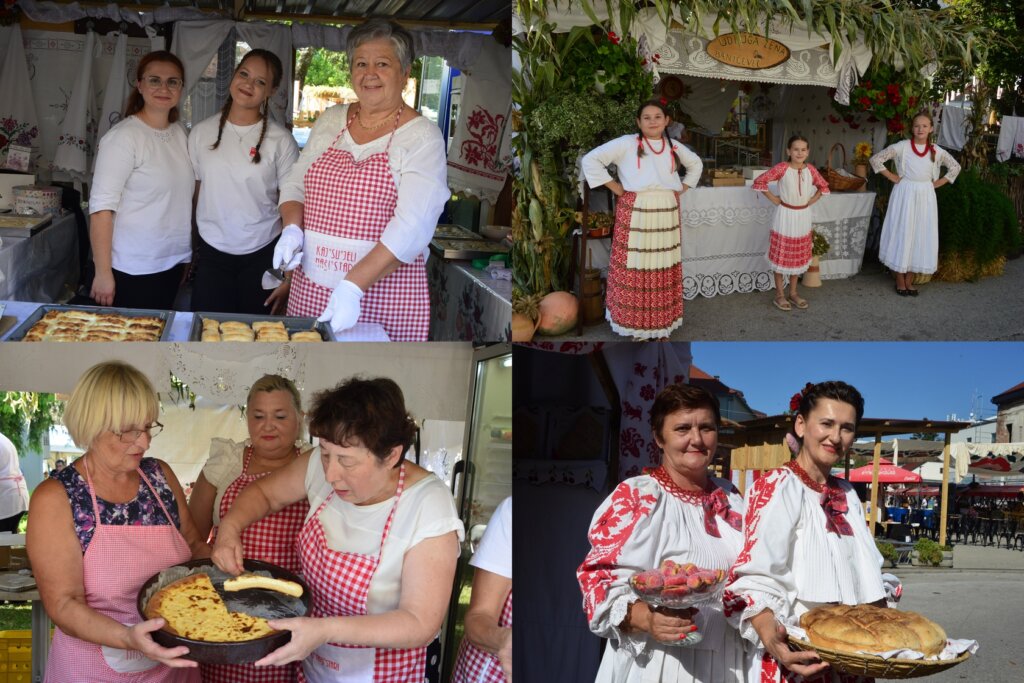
(307, 336)
(245, 581)
(193, 609)
(261, 325)
(866, 628)
(211, 325)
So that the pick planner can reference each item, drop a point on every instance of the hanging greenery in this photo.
(26, 417)
(884, 94)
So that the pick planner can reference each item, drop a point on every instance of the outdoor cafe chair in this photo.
(1007, 532)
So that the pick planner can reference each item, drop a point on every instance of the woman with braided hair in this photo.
(240, 157)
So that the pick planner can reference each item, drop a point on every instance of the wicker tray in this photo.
(870, 665)
(837, 182)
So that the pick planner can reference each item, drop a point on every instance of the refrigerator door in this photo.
(482, 478)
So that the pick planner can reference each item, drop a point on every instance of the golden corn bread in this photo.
(76, 325)
(857, 628)
(307, 336)
(244, 581)
(193, 609)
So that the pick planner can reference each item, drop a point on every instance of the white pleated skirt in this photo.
(674, 664)
(910, 234)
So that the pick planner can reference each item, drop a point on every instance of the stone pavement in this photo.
(975, 558)
(861, 308)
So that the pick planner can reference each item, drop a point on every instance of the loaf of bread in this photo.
(193, 609)
(866, 628)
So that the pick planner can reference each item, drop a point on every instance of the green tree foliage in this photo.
(25, 417)
(328, 68)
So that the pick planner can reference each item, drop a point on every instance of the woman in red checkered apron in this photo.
(101, 528)
(645, 271)
(485, 655)
(360, 205)
(789, 250)
(274, 415)
(378, 549)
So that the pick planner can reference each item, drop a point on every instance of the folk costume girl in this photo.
(645, 274)
(361, 205)
(378, 548)
(674, 512)
(805, 542)
(140, 206)
(273, 411)
(789, 248)
(240, 158)
(910, 233)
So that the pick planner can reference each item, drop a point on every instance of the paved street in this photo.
(986, 604)
(860, 308)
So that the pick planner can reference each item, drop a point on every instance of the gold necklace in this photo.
(359, 118)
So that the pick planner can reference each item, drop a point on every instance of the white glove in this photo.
(288, 250)
(343, 306)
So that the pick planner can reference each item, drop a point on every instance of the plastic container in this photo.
(15, 656)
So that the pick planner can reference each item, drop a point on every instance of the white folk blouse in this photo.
(646, 520)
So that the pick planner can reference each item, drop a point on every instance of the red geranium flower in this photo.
(864, 103)
(892, 89)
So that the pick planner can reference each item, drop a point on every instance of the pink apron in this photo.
(476, 666)
(340, 583)
(348, 204)
(271, 539)
(117, 562)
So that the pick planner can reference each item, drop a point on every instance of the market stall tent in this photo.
(887, 474)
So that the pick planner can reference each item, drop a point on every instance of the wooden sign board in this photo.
(747, 51)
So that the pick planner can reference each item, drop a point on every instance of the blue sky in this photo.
(905, 380)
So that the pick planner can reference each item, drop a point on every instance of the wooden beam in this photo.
(945, 491)
(873, 512)
(353, 21)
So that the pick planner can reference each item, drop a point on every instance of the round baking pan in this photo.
(255, 601)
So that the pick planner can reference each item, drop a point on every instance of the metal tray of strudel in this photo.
(21, 225)
(448, 231)
(63, 322)
(467, 249)
(237, 322)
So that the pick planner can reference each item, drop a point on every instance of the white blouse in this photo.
(791, 562)
(653, 172)
(425, 510)
(418, 166)
(902, 154)
(636, 528)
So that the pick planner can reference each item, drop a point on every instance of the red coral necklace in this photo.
(927, 148)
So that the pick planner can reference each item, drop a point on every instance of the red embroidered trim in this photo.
(661, 476)
(927, 148)
(806, 478)
(760, 494)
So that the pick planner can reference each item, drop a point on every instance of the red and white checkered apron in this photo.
(271, 539)
(117, 562)
(476, 666)
(340, 583)
(355, 200)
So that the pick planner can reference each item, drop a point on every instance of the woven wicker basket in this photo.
(837, 182)
(870, 665)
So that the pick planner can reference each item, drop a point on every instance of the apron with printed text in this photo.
(476, 666)
(117, 562)
(347, 206)
(340, 583)
(271, 539)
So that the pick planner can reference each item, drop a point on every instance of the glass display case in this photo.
(482, 478)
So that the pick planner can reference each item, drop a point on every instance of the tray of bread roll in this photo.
(879, 642)
(466, 248)
(220, 618)
(239, 327)
(62, 322)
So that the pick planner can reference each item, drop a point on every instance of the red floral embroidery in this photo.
(484, 130)
(734, 604)
(629, 442)
(769, 669)
(760, 494)
(609, 533)
(632, 411)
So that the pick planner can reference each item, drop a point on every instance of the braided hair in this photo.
(273, 63)
(924, 115)
(664, 134)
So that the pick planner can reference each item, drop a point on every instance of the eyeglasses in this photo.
(155, 82)
(132, 435)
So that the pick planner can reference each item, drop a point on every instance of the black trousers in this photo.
(156, 290)
(229, 283)
(11, 523)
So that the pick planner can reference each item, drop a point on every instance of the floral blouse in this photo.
(143, 510)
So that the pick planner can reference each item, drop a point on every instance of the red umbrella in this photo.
(887, 474)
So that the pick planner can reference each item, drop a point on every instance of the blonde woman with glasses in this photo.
(140, 205)
(104, 525)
